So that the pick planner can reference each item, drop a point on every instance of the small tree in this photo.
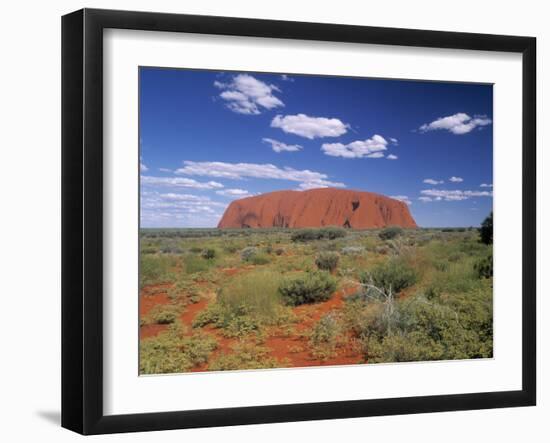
(486, 230)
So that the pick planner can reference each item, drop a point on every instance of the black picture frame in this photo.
(82, 218)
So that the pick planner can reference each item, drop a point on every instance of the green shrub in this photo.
(393, 274)
(304, 235)
(309, 234)
(309, 287)
(390, 232)
(208, 253)
(327, 261)
(246, 355)
(248, 252)
(325, 336)
(171, 351)
(259, 259)
(333, 232)
(484, 267)
(486, 230)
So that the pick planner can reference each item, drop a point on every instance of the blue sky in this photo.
(209, 137)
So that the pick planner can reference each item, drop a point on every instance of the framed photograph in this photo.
(269, 221)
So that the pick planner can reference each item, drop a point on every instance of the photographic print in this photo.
(290, 221)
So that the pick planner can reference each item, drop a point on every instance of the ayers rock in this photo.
(315, 208)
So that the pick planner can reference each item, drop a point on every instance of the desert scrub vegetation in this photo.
(309, 287)
(390, 232)
(174, 351)
(310, 234)
(392, 275)
(327, 261)
(325, 336)
(155, 269)
(208, 253)
(249, 302)
(246, 355)
(353, 250)
(484, 266)
(425, 294)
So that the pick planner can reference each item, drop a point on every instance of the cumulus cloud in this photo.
(458, 124)
(179, 182)
(431, 181)
(394, 141)
(392, 157)
(402, 198)
(245, 94)
(452, 195)
(370, 148)
(486, 185)
(310, 127)
(278, 146)
(456, 179)
(235, 193)
(237, 171)
(286, 78)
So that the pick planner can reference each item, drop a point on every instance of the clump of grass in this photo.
(172, 351)
(247, 303)
(390, 232)
(310, 287)
(327, 261)
(194, 264)
(325, 336)
(394, 275)
(246, 355)
(155, 269)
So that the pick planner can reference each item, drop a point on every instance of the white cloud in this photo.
(248, 95)
(431, 181)
(237, 171)
(486, 185)
(392, 157)
(456, 179)
(453, 195)
(425, 199)
(236, 193)
(165, 170)
(173, 209)
(394, 141)
(370, 148)
(142, 167)
(179, 182)
(310, 127)
(402, 198)
(278, 146)
(286, 78)
(458, 124)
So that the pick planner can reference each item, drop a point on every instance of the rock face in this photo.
(315, 208)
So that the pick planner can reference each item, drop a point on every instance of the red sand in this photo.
(315, 208)
(291, 347)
